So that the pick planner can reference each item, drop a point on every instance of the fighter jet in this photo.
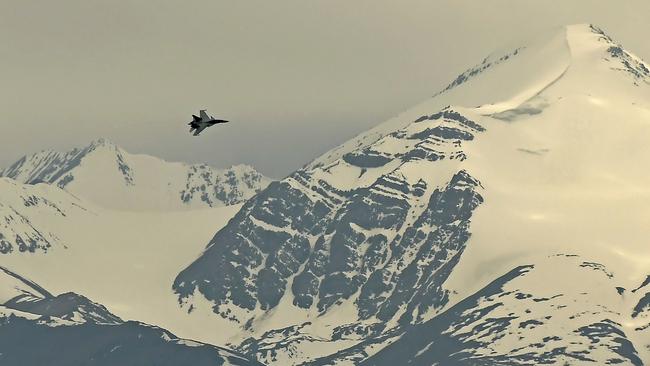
(199, 124)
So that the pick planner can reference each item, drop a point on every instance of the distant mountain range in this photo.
(105, 174)
(77, 221)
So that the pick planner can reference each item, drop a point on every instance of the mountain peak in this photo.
(579, 61)
(111, 177)
(102, 142)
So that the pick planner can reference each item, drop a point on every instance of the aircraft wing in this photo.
(204, 116)
(198, 130)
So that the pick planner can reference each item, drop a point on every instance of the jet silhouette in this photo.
(199, 124)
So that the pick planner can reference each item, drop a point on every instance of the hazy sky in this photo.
(295, 77)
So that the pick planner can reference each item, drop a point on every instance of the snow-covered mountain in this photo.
(38, 328)
(30, 216)
(127, 260)
(561, 310)
(111, 177)
(503, 221)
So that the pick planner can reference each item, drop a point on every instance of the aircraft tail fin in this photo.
(196, 118)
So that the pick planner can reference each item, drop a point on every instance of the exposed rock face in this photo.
(221, 187)
(384, 246)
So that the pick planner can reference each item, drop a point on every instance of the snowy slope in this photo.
(111, 177)
(124, 259)
(37, 328)
(31, 214)
(532, 315)
(537, 151)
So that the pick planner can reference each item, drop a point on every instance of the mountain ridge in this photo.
(107, 175)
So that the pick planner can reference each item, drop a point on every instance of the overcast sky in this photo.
(295, 77)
